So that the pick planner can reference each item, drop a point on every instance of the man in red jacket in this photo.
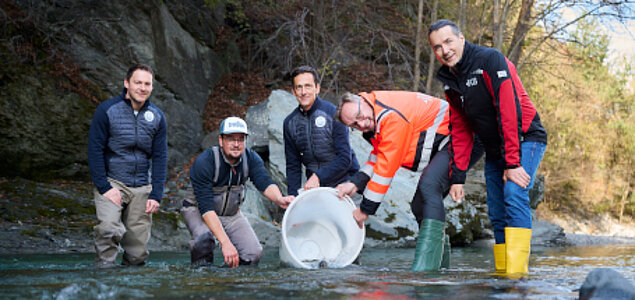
(410, 130)
(488, 100)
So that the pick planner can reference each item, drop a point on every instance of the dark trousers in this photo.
(434, 184)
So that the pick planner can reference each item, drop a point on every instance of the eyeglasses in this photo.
(358, 118)
(237, 140)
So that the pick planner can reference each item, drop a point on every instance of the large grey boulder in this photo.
(547, 234)
(393, 225)
(605, 283)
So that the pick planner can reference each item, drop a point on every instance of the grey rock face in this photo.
(38, 137)
(47, 128)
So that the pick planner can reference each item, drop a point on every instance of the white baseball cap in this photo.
(233, 125)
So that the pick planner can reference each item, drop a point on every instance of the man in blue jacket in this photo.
(127, 141)
(314, 139)
(218, 177)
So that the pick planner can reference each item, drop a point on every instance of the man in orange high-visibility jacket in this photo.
(410, 130)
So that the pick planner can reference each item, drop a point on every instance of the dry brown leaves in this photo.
(232, 96)
(366, 77)
(32, 46)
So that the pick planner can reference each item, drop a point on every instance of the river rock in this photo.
(254, 203)
(547, 234)
(258, 122)
(605, 283)
(268, 234)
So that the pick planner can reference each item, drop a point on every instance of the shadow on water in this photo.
(555, 273)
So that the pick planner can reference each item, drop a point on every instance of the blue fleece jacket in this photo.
(125, 147)
(315, 139)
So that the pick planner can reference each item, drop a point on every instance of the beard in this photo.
(230, 156)
(135, 100)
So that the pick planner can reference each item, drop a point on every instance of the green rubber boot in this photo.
(445, 261)
(429, 249)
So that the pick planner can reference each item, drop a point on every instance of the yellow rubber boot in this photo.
(499, 258)
(517, 248)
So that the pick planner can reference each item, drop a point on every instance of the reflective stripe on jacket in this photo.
(407, 124)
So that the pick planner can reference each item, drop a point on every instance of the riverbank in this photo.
(58, 217)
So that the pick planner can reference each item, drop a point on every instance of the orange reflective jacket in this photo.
(406, 124)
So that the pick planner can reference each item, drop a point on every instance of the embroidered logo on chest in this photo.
(149, 116)
(320, 122)
(471, 82)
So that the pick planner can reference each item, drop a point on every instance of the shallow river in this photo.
(555, 273)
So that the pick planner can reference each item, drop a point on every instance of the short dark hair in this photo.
(143, 67)
(304, 69)
(442, 23)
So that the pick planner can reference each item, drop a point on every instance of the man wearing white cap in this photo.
(218, 177)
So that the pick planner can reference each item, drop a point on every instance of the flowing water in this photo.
(555, 273)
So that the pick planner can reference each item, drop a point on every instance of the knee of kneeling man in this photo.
(253, 255)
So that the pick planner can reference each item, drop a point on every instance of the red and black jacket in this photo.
(487, 99)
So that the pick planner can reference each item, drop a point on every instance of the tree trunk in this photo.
(418, 38)
(462, 10)
(520, 32)
(433, 18)
(623, 202)
(497, 41)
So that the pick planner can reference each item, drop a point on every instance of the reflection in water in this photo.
(554, 273)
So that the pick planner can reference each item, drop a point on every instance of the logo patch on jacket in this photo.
(320, 121)
(471, 82)
(149, 116)
(501, 74)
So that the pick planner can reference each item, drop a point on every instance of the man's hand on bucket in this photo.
(312, 182)
(360, 217)
(284, 201)
(346, 188)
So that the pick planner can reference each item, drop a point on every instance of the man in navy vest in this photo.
(127, 141)
(218, 177)
(314, 139)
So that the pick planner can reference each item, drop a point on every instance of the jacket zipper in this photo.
(134, 149)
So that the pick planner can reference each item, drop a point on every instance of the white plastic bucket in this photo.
(318, 230)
